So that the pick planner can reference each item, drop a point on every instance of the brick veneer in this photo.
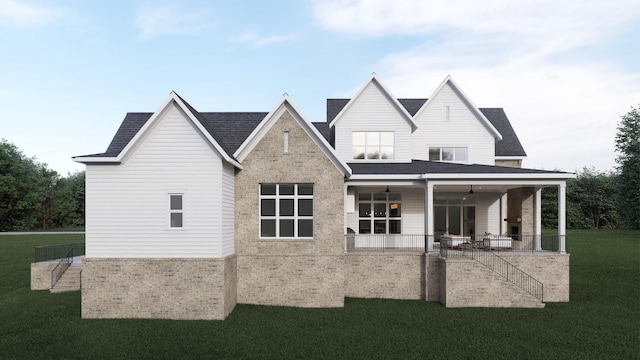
(158, 288)
(552, 270)
(290, 272)
(41, 275)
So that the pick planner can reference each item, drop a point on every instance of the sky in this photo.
(564, 71)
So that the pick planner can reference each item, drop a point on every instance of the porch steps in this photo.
(69, 281)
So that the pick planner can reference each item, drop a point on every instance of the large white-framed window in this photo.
(453, 154)
(373, 145)
(286, 211)
(380, 213)
(176, 211)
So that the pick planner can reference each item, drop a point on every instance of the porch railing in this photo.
(62, 266)
(419, 243)
(54, 252)
(498, 265)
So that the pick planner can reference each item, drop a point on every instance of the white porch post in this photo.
(537, 224)
(503, 214)
(562, 217)
(428, 217)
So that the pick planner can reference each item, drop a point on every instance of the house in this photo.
(189, 213)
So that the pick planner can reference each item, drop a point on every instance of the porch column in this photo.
(562, 217)
(428, 216)
(504, 226)
(537, 222)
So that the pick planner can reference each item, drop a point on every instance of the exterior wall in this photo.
(551, 269)
(467, 283)
(413, 211)
(488, 214)
(127, 205)
(387, 276)
(372, 111)
(186, 289)
(509, 163)
(41, 275)
(293, 270)
(228, 205)
(463, 130)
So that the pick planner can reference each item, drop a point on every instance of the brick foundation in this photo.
(159, 288)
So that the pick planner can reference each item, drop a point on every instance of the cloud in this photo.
(169, 19)
(20, 14)
(534, 58)
(256, 40)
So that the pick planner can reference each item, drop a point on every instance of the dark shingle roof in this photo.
(509, 145)
(323, 128)
(418, 167)
(229, 129)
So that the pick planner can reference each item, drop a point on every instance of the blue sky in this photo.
(71, 69)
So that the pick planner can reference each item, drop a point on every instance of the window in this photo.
(175, 211)
(380, 213)
(286, 142)
(286, 210)
(456, 154)
(373, 145)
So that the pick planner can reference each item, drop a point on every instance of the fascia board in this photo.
(95, 160)
(385, 177)
(498, 176)
(373, 79)
(486, 182)
(510, 157)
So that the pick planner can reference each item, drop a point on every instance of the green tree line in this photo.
(32, 196)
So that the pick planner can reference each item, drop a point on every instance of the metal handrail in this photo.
(62, 266)
(54, 252)
(500, 266)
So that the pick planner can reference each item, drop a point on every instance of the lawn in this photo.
(602, 320)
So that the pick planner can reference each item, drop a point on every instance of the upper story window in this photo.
(175, 211)
(373, 145)
(453, 154)
(286, 210)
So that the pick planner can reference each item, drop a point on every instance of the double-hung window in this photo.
(373, 145)
(175, 211)
(453, 154)
(380, 213)
(286, 211)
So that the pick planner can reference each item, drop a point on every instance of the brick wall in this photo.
(551, 269)
(41, 275)
(185, 289)
(295, 272)
(467, 283)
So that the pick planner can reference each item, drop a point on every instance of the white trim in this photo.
(480, 176)
(465, 99)
(285, 104)
(510, 157)
(96, 160)
(394, 101)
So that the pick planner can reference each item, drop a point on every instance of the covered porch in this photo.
(429, 213)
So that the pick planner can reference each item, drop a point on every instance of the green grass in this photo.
(602, 320)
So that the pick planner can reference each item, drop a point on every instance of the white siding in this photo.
(228, 209)
(372, 111)
(413, 212)
(127, 205)
(463, 130)
(488, 214)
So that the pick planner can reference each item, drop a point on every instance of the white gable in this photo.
(449, 119)
(373, 109)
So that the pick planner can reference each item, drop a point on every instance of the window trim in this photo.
(387, 218)
(296, 217)
(367, 146)
(180, 211)
(454, 148)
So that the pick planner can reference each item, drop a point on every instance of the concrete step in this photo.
(69, 281)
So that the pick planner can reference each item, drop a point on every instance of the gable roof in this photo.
(465, 99)
(386, 93)
(285, 104)
(134, 126)
(509, 146)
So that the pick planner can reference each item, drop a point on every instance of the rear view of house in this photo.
(189, 213)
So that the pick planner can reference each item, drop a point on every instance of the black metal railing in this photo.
(55, 252)
(502, 267)
(385, 243)
(62, 266)
(419, 243)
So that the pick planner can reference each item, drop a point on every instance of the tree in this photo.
(591, 200)
(628, 147)
(18, 189)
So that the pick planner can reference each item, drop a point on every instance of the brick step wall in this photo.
(70, 280)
